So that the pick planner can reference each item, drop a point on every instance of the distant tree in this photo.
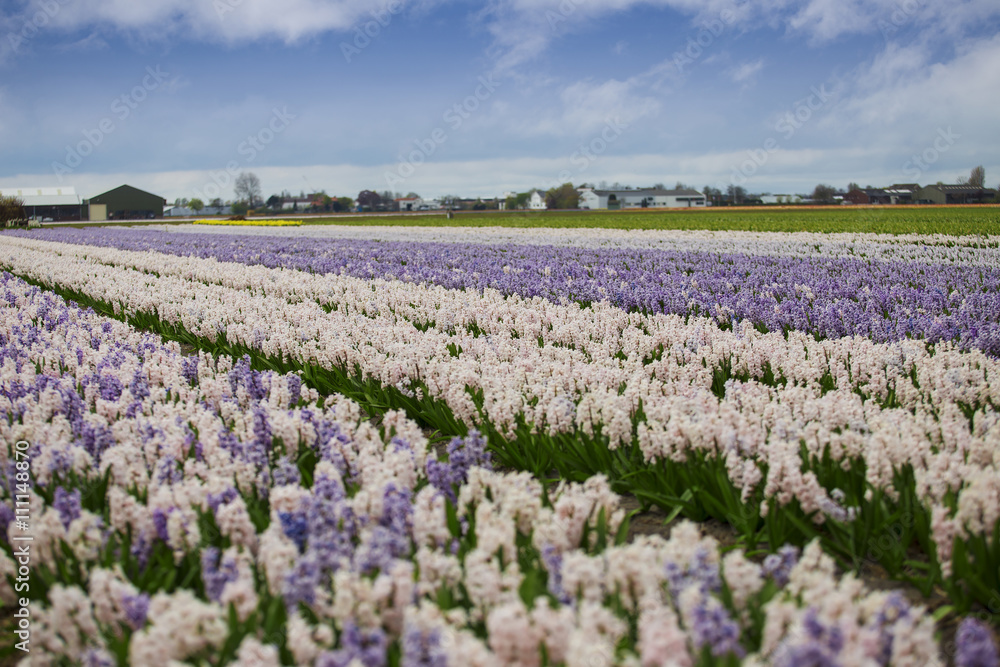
(737, 193)
(977, 178)
(343, 204)
(521, 199)
(196, 205)
(713, 195)
(369, 199)
(412, 195)
(853, 186)
(823, 194)
(680, 186)
(12, 212)
(247, 188)
(479, 205)
(274, 202)
(216, 203)
(239, 208)
(565, 196)
(659, 186)
(181, 201)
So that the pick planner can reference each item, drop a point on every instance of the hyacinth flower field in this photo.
(294, 448)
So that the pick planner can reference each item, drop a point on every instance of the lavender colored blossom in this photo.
(463, 454)
(67, 503)
(160, 523)
(242, 376)
(111, 387)
(423, 649)
(700, 572)
(821, 646)
(96, 657)
(367, 646)
(553, 562)
(189, 370)
(285, 472)
(294, 389)
(779, 565)
(301, 582)
(713, 627)
(6, 516)
(136, 609)
(295, 526)
(216, 500)
(975, 645)
(216, 572)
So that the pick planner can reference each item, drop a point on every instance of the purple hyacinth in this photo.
(974, 645)
(553, 562)
(216, 572)
(301, 582)
(295, 526)
(160, 523)
(779, 565)
(6, 516)
(423, 649)
(700, 572)
(67, 503)
(216, 500)
(463, 454)
(369, 647)
(713, 627)
(136, 609)
(819, 647)
(250, 380)
(189, 370)
(285, 472)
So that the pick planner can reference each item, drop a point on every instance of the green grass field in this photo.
(950, 220)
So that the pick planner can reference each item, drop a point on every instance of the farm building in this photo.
(127, 203)
(48, 204)
(955, 194)
(863, 196)
(640, 198)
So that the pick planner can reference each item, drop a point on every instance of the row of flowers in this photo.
(784, 429)
(832, 297)
(935, 249)
(191, 509)
(248, 223)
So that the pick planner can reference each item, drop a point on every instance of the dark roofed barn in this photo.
(128, 203)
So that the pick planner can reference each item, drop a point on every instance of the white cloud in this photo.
(228, 21)
(92, 42)
(747, 72)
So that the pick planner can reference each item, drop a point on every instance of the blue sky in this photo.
(438, 97)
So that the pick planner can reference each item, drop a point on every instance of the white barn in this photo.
(640, 198)
(62, 203)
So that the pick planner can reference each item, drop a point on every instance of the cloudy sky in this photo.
(477, 98)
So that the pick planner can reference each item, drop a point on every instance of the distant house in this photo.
(178, 212)
(296, 203)
(780, 199)
(409, 203)
(56, 204)
(537, 201)
(903, 193)
(640, 198)
(868, 196)
(955, 194)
